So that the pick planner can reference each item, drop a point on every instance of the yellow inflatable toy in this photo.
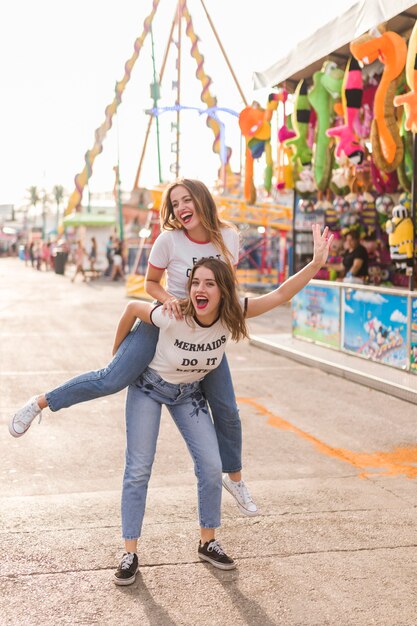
(400, 237)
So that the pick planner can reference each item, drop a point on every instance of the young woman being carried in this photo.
(189, 347)
(191, 229)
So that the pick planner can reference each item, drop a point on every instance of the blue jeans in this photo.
(189, 410)
(131, 359)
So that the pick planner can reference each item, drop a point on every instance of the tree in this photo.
(44, 200)
(34, 198)
(58, 194)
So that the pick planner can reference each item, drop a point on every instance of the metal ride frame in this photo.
(271, 218)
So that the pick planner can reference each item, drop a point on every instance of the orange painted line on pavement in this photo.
(399, 461)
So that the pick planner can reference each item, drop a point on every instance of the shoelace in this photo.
(244, 491)
(215, 546)
(27, 422)
(127, 560)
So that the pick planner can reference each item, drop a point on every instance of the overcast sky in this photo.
(60, 62)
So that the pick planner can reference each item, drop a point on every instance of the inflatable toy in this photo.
(391, 49)
(340, 180)
(405, 168)
(409, 100)
(362, 181)
(352, 89)
(400, 237)
(383, 182)
(306, 185)
(362, 123)
(321, 99)
(300, 118)
(255, 125)
(284, 168)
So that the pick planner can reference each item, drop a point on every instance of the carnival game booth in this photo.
(354, 155)
(379, 324)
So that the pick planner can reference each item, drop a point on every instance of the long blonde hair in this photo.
(206, 210)
(231, 312)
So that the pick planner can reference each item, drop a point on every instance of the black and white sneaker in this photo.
(213, 553)
(126, 572)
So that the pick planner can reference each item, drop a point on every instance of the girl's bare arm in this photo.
(132, 312)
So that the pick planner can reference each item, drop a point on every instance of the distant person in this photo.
(80, 256)
(38, 255)
(354, 263)
(26, 254)
(118, 262)
(92, 256)
(32, 253)
(109, 256)
(46, 255)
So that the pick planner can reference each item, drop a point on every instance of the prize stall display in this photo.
(352, 155)
(353, 170)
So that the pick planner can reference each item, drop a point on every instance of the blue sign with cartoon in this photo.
(375, 326)
(316, 315)
(413, 345)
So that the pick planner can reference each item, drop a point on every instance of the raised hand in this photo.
(322, 242)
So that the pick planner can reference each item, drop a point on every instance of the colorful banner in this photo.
(413, 344)
(316, 315)
(375, 326)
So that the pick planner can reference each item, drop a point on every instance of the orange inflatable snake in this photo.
(391, 50)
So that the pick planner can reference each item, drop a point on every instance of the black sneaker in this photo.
(212, 552)
(126, 572)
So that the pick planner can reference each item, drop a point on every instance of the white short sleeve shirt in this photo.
(176, 253)
(186, 351)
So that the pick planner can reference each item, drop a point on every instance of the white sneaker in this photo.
(241, 494)
(21, 421)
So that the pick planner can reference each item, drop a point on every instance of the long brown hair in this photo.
(206, 210)
(231, 312)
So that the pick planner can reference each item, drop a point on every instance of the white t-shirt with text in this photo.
(176, 253)
(186, 351)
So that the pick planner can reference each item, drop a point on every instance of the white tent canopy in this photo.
(332, 40)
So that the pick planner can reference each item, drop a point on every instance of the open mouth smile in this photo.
(201, 302)
(186, 216)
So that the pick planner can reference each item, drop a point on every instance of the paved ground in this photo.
(332, 465)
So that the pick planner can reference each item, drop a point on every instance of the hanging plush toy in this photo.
(300, 119)
(400, 237)
(409, 100)
(321, 99)
(362, 182)
(284, 167)
(391, 49)
(352, 100)
(362, 124)
(255, 125)
(405, 168)
(383, 182)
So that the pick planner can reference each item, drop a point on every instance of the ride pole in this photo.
(148, 130)
(178, 102)
(412, 279)
(242, 95)
(155, 97)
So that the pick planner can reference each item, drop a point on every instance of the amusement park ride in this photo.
(268, 220)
